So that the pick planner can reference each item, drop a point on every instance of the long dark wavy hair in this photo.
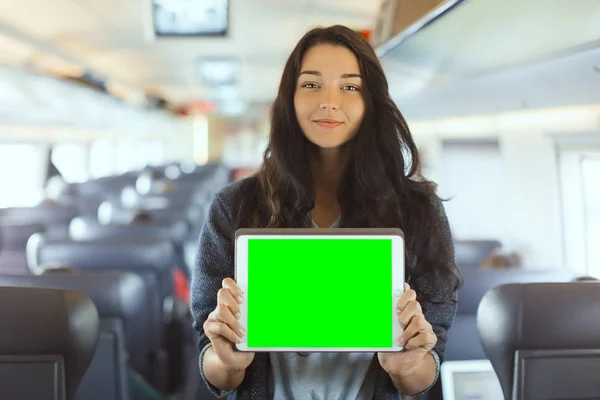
(382, 185)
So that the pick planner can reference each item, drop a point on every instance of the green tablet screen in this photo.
(319, 293)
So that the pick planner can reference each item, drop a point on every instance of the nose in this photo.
(330, 100)
(329, 107)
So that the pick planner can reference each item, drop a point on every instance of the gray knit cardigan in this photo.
(214, 262)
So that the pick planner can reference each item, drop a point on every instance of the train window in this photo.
(579, 172)
(150, 153)
(71, 159)
(127, 156)
(133, 155)
(590, 179)
(243, 150)
(21, 174)
(102, 156)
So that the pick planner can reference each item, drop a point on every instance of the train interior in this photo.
(120, 120)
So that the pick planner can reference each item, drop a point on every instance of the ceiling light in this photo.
(218, 71)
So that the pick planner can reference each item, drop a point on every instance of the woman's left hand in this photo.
(417, 337)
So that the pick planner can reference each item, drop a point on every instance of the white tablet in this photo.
(312, 290)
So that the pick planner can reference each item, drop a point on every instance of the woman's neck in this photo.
(327, 168)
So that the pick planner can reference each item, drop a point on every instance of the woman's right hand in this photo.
(223, 328)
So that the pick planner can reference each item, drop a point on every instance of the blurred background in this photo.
(118, 111)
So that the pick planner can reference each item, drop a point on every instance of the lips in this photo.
(328, 123)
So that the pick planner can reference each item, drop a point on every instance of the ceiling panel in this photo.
(48, 19)
(564, 81)
(112, 37)
(479, 36)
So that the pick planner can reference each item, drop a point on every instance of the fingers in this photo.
(225, 298)
(416, 324)
(416, 330)
(408, 312)
(235, 290)
(224, 320)
(418, 333)
(214, 328)
(426, 340)
(408, 296)
(224, 314)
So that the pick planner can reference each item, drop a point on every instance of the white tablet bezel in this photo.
(398, 276)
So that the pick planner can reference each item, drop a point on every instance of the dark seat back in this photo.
(470, 253)
(214, 173)
(111, 213)
(14, 235)
(47, 340)
(110, 185)
(151, 258)
(463, 341)
(181, 196)
(547, 335)
(86, 205)
(41, 213)
(477, 282)
(107, 376)
(136, 254)
(13, 242)
(54, 217)
(88, 228)
(123, 304)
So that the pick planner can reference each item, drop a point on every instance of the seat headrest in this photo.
(473, 252)
(87, 205)
(476, 282)
(88, 228)
(107, 184)
(44, 214)
(585, 278)
(111, 253)
(115, 294)
(111, 213)
(14, 236)
(537, 316)
(35, 321)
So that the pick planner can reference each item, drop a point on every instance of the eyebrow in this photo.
(317, 73)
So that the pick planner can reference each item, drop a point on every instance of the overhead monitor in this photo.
(190, 17)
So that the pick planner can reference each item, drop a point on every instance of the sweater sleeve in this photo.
(214, 262)
(440, 311)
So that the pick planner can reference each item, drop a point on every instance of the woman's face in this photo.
(328, 99)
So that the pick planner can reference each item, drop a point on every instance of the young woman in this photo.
(339, 154)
